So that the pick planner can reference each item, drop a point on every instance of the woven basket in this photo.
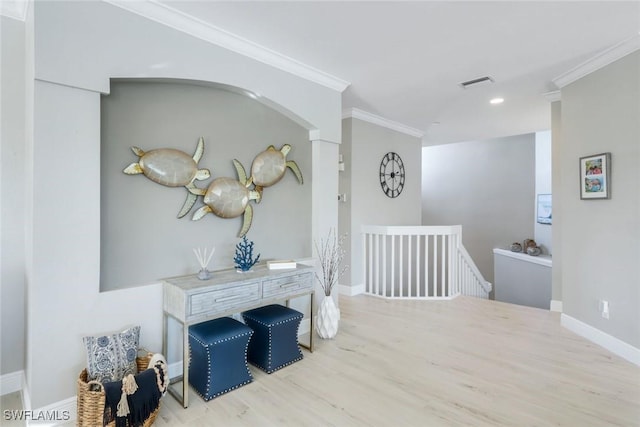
(91, 399)
(143, 360)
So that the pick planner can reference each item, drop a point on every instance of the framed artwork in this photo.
(595, 176)
(544, 209)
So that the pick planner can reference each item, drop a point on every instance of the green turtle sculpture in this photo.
(229, 198)
(269, 167)
(171, 168)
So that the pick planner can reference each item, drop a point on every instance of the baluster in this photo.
(418, 266)
(435, 264)
(443, 275)
(384, 266)
(393, 263)
(367, 261)
(409, 259)
(377, 267)
(449, 264)
(401, 265)
(371, 261)
(428, 288)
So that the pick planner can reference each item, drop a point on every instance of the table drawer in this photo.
(287, 285)
(219, 300)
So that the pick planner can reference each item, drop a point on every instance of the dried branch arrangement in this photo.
(330, 254)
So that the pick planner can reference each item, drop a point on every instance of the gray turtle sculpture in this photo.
(229, 198)
(269, 167)
(171, 168)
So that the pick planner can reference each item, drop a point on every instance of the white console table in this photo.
(190, 300)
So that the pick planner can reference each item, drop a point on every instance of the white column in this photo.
(324, 190)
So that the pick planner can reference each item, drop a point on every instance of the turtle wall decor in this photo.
(225, 197)
(229, 198)
(269, 166)
(172, 168)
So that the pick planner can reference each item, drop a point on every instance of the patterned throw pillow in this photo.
(112, 357)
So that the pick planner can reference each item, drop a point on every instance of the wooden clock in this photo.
(392, 174)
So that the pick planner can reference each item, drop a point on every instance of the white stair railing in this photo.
(471, 281)
(419, 262)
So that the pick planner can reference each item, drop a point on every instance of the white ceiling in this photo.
(405, 60)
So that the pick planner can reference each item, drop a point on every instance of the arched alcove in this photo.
(76, 53)
(142, 240)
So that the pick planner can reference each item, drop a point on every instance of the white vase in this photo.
(327, 319)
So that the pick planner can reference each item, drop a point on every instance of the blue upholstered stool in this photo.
(218, 356)
(274, 344)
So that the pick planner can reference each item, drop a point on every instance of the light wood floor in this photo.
(8, 402)
(434, 363)
(466, 362)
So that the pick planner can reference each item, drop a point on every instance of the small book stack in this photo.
(281, 264)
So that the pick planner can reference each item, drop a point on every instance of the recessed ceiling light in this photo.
(496, 101)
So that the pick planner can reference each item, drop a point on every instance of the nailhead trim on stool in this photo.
(274, 343)
(218, 347)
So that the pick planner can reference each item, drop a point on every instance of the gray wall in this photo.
(487, 187)
(364, 145)
(76, 51)
(12, 225)
(601, 238)
(142, 239)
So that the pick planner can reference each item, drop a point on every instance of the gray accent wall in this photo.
(485, 186)
(601, 238)
(12, 200)
(142, 240)
(364, 145)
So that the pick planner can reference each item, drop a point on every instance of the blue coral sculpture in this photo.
(244, 255)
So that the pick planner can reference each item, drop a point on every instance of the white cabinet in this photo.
(189, 300)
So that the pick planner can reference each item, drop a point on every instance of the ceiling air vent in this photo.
(475, 82)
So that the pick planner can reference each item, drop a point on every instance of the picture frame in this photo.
(595, 176)
(544, 210)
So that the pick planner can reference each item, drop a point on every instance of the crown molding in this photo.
(15, 9)
(198, 28)
(381, 121)
(552, 96)
(599, 61)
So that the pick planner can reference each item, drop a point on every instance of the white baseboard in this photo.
(556, 306)
(613, 344)
(11, 382)
(26, 398)
(55, 414)
(350, 291)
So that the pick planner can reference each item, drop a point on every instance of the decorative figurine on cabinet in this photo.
(244, 260)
